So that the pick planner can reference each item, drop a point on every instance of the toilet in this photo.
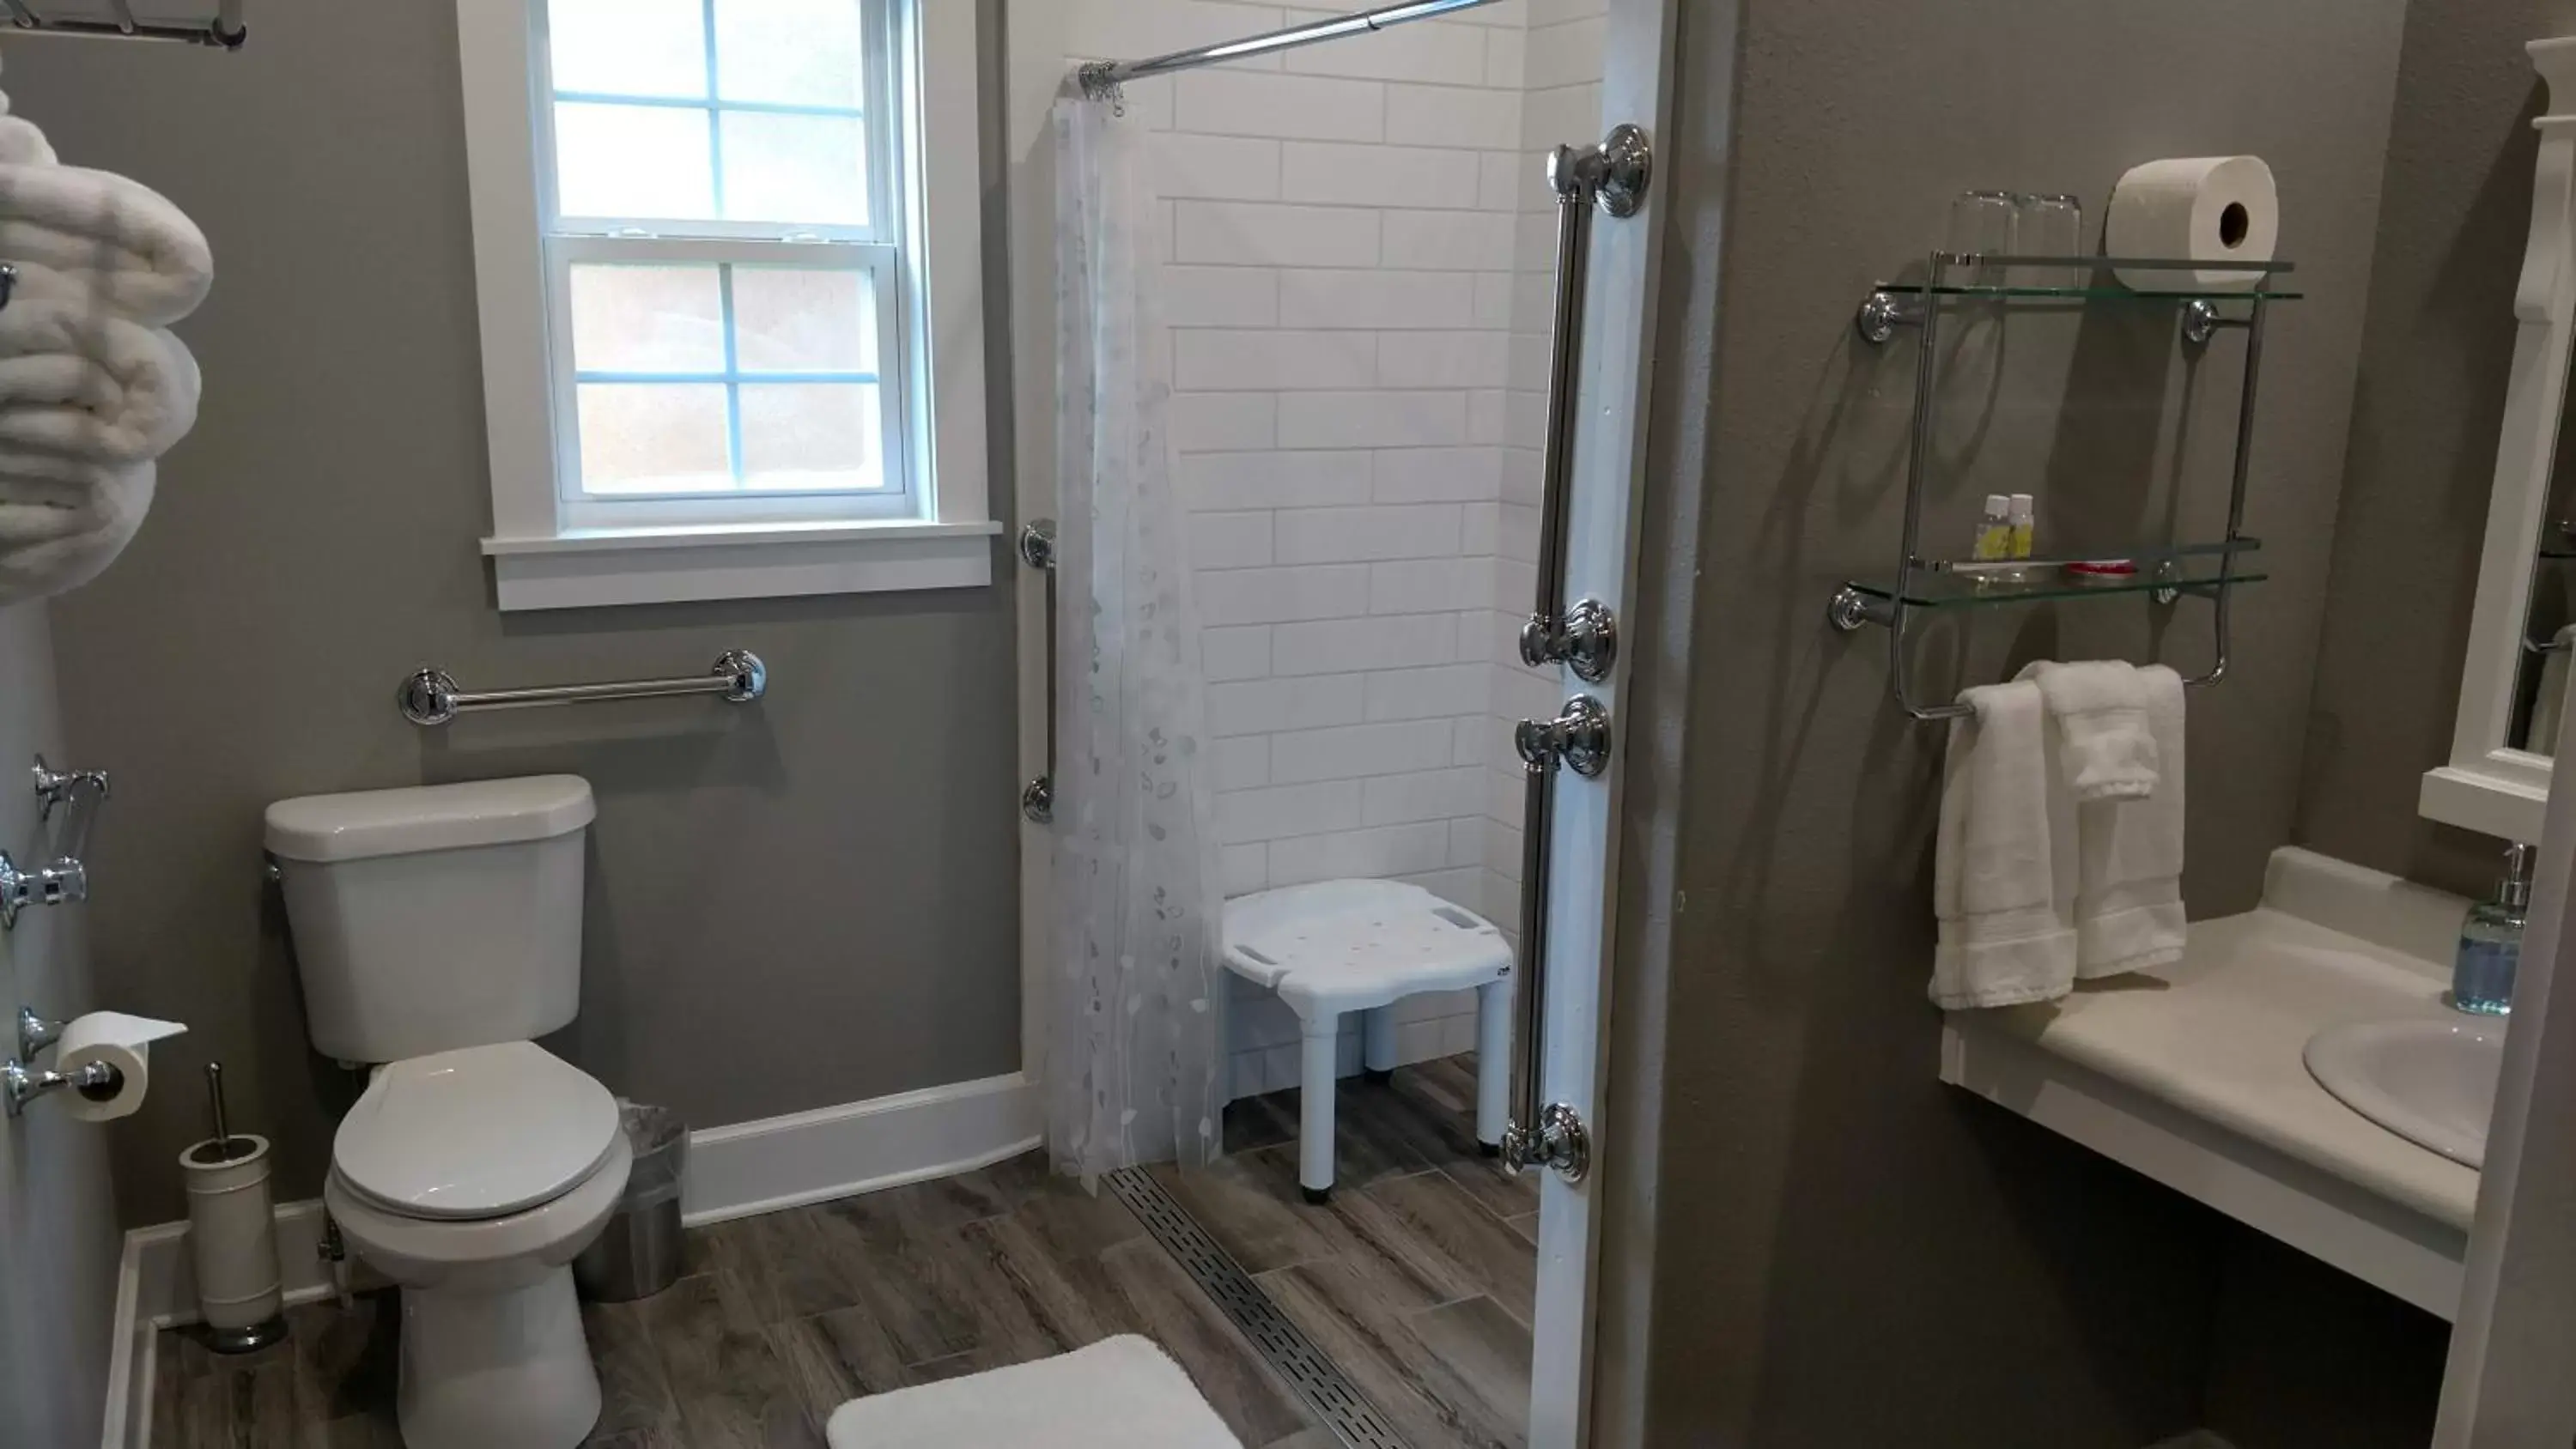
(438, 932)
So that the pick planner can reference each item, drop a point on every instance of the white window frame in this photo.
(552, 548)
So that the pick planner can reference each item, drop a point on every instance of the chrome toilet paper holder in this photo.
(21, 1084)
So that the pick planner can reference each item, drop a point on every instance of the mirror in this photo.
(2514, 689)
(2549, 617)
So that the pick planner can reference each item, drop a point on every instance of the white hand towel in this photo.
(2128, 893)
(90, 386)
(80, 235)
(56, 537)
(2101, 709)
(2003, 880)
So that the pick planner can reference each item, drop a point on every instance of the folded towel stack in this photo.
(2061, 845)
(93, 387)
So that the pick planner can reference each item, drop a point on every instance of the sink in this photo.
(2430, 1082)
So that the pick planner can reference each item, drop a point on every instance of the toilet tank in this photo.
(435, 917)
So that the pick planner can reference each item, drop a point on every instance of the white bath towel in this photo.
(2101, 710)
(2003, 868)
(21, 144)
(89, 386)
(77, 235)
(2129, 853)
(55, 537)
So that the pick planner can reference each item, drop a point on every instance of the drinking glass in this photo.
(2051, 226)
(1984, 224)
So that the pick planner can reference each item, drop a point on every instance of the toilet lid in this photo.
(476, 1133)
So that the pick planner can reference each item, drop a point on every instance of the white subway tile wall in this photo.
(1359, 259)
(1560, 105)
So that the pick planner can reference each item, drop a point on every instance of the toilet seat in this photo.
(479, 1133)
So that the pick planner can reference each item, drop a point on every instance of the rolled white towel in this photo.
(21, 144)
(91, 387)
(75, 234)
(55, 538)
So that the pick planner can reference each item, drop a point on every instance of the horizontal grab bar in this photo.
(430, 696)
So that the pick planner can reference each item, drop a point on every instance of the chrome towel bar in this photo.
(430, 696)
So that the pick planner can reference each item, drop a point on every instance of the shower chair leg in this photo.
(1321, 1066)
(1377, 1036)
(1493, 1063)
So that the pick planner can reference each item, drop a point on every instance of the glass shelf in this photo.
(2099, 292)
(1962, 583)
(2102, 287)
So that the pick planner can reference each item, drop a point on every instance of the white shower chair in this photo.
(1362, 945)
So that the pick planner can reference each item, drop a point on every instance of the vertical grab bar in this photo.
(1037, 550)
(1613, 176)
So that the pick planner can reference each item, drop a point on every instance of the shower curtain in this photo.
(1132, 1047)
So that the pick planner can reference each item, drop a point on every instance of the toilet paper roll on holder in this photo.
(21, 1084)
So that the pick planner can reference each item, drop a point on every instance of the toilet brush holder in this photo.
(232, 1242)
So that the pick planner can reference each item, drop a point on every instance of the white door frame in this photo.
(1601, 563)
(2508, 1383)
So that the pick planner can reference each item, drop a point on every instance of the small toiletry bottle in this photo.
(2025, 524)
(1994, 530)
(2491, 942)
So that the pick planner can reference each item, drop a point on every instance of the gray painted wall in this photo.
(58, 1238)
(2427, 410)
(805, 903)
(1842, 1250)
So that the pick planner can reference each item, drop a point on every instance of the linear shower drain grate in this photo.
(1280, 1342)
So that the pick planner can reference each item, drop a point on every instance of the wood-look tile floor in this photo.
(1415, 1279)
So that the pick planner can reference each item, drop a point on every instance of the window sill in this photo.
(596, 568)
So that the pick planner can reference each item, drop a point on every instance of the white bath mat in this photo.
(1120, 1393)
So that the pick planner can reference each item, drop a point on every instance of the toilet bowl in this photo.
(437, 935)
(472, 1178)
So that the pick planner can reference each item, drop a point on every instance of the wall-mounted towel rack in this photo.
(224, 32)
(430, 696)
(2165, 572)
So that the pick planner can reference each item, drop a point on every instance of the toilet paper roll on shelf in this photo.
(119, 1041)
(2210, 209)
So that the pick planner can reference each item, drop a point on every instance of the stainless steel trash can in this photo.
(638, 1254)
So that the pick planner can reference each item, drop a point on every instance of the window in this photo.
(721, 356)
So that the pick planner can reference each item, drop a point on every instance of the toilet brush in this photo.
(232, 1239)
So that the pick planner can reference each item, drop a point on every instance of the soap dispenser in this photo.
(2491, 942)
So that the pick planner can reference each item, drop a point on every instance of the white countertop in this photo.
(2220, 1034)
(2195, 1074)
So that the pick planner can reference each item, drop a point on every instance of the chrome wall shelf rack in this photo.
(2165, 571)
(224, 30)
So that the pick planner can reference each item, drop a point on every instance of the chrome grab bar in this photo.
(430, 696)
(1613, 176)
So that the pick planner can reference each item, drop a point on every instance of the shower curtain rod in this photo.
(1104, 76)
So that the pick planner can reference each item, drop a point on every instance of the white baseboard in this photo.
(833, 1152)
(156, 1288)
(734, 1172)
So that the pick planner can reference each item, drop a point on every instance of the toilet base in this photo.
(496, 1370)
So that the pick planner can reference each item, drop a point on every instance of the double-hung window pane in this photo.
(697, 379)
(757, 360)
